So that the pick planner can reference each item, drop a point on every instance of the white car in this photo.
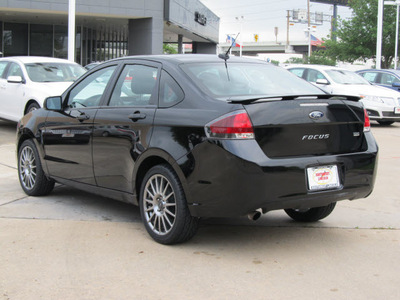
(25, 82)
(382, 104)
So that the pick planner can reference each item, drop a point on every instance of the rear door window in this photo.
(136, 86)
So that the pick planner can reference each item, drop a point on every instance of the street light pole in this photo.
(397, 3)
(309, 28)
(240, 19)
(379, 35)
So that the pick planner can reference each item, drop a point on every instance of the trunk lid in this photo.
(307, 127)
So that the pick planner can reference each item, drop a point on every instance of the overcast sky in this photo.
(261, 16)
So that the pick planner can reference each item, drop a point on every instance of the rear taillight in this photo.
(235, 125)
(367, 122)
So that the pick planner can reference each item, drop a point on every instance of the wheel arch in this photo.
(153, 158)
(23, 136)
(31, 101)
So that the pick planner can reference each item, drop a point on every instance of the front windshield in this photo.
(53, 72)
(246, 79)
(346, 77)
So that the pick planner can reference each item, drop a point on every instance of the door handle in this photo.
(137, 116)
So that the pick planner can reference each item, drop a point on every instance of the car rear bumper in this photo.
(221, 182)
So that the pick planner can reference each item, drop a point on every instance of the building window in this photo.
(1, 39)
(15, 37)
(41, 40)
(60, 41)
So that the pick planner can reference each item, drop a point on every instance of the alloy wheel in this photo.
(27, 168)
(159, 204)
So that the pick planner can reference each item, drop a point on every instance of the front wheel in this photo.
(163, 207)
(33, 106)
(311, 214)
(30, 172)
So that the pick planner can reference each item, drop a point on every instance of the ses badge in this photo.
(323, 178)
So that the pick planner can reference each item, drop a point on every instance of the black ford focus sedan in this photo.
(192, 136)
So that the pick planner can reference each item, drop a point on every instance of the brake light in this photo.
(367, 122)
(236, 125)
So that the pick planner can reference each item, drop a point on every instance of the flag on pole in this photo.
(232, 40)
(316, 41)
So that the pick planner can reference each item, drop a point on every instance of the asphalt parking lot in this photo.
(73, 245)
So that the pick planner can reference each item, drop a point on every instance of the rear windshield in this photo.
(246, 79)
(54, 72)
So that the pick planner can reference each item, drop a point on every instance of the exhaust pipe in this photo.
(254, 216)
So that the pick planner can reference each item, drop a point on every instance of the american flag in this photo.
(232, 40)
(316, 41)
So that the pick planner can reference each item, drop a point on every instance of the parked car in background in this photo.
(200, 136)
(26, 81)
(382, 104)
(92, 65)
(386, 78)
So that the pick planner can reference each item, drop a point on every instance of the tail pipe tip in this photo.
(254, 215)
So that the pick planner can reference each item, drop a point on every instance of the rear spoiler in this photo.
(248, 99)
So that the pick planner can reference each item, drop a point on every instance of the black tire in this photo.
(163, 207)
(385, 123)
(312, 214)
(30, 172)
(33, 106)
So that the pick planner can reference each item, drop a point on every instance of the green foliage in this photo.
(275, 62)
(316, 58)
(357, 36)
(320, 58)
(170, 48)
(295, 60)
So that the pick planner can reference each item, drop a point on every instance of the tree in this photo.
(170, 49)
(357, 36)
(316, 58)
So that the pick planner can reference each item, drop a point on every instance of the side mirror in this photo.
(322, 81)
(396, 84)
(14, 79)
(53, 103)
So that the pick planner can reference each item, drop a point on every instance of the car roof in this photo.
(317, 67)
(392, 71)
(190, 58)
(35, 59)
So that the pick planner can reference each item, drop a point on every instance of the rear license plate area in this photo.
(323, 178)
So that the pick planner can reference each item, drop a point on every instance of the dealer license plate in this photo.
(397, 110)
(323, 178)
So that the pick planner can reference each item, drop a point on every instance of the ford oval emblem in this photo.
(315, 115)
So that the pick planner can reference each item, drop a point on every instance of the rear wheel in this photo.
(312, 214)
(385, 123)
(163, 207)
(30, 172)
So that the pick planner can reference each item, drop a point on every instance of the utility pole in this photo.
(309, 28)
(287, 29)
